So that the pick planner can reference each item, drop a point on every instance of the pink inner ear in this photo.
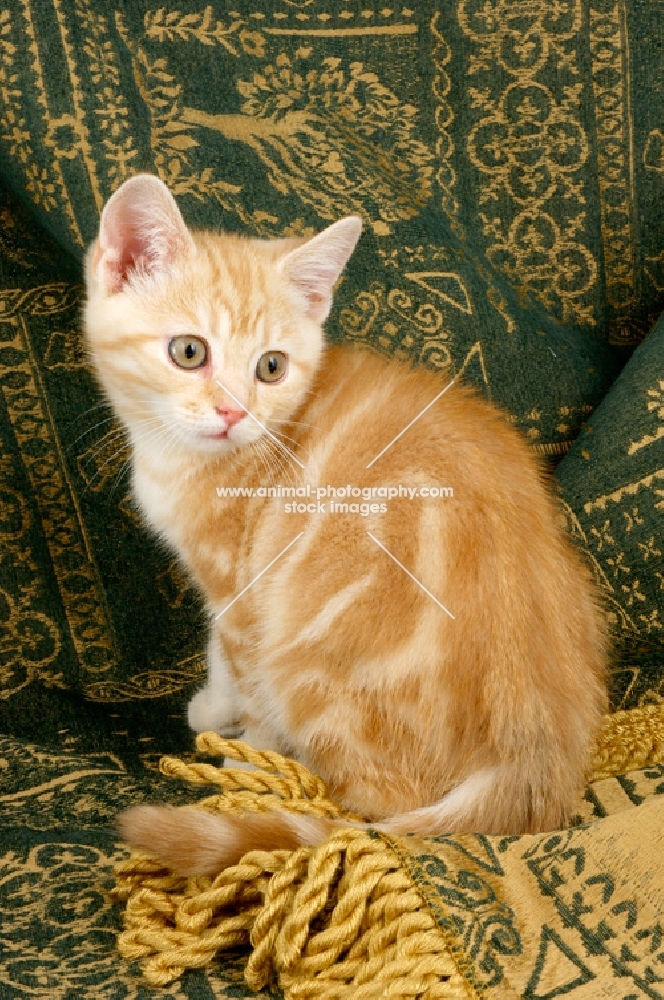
(128, 254)
(141, 230)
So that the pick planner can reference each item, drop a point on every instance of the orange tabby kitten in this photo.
(439, 662)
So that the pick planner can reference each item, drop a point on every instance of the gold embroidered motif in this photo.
(653, 151)
(81, 590)
(171, 140)
(447, 285)
(65, 349)
(400, 29)
(153, 683)
(655, 404)
(654, 268)
(611, 86)
(29, 643)
(529, 148)
(309, 127)
(475, 356)
(41, 185)
(629, 490)
(69, 133)
(399, 324)
(111, 111)
(29, 639)
(444, 117)
(162, 26)
(40, 181)
(616, 615)
(310, 130)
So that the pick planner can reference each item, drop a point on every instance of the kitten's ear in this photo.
(314, 267)
(141, 228)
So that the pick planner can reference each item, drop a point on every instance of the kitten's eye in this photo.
(187, 352)
(271, 366)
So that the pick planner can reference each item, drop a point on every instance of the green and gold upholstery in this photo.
(507, 158)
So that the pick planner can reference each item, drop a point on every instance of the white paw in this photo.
(210, 712)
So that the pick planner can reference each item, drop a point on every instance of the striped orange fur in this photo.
(419, 721)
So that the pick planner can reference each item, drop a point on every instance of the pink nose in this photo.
(230, 415)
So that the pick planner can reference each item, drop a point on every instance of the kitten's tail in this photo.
(196, 842)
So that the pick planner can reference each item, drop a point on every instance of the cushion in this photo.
(612, 485)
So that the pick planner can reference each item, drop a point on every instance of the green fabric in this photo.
(507, 159)
(537, 129)
(58, 923)
(294, 118)
(574, 914)
(613, 486)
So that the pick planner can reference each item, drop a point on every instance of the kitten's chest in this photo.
(186, 512)
(163, 501)
(209, 533)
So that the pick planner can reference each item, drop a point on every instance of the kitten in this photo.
(210, 348)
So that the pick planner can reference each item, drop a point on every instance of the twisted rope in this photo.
(338, 921)
(629, 741)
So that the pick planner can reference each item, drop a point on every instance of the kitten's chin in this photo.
(215, 445)
(216, 442)
(222, 442)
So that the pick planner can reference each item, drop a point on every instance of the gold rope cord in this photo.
(629, 741)
(331, 922)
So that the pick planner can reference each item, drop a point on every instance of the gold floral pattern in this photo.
(530, 147)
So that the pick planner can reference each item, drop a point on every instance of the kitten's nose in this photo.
(230, 415)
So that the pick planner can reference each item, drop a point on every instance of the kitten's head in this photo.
(202, 338)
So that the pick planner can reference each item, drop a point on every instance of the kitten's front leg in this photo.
(215, 707)
(260, 736)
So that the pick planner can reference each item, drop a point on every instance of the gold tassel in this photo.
(338, 921)
(629, 741)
